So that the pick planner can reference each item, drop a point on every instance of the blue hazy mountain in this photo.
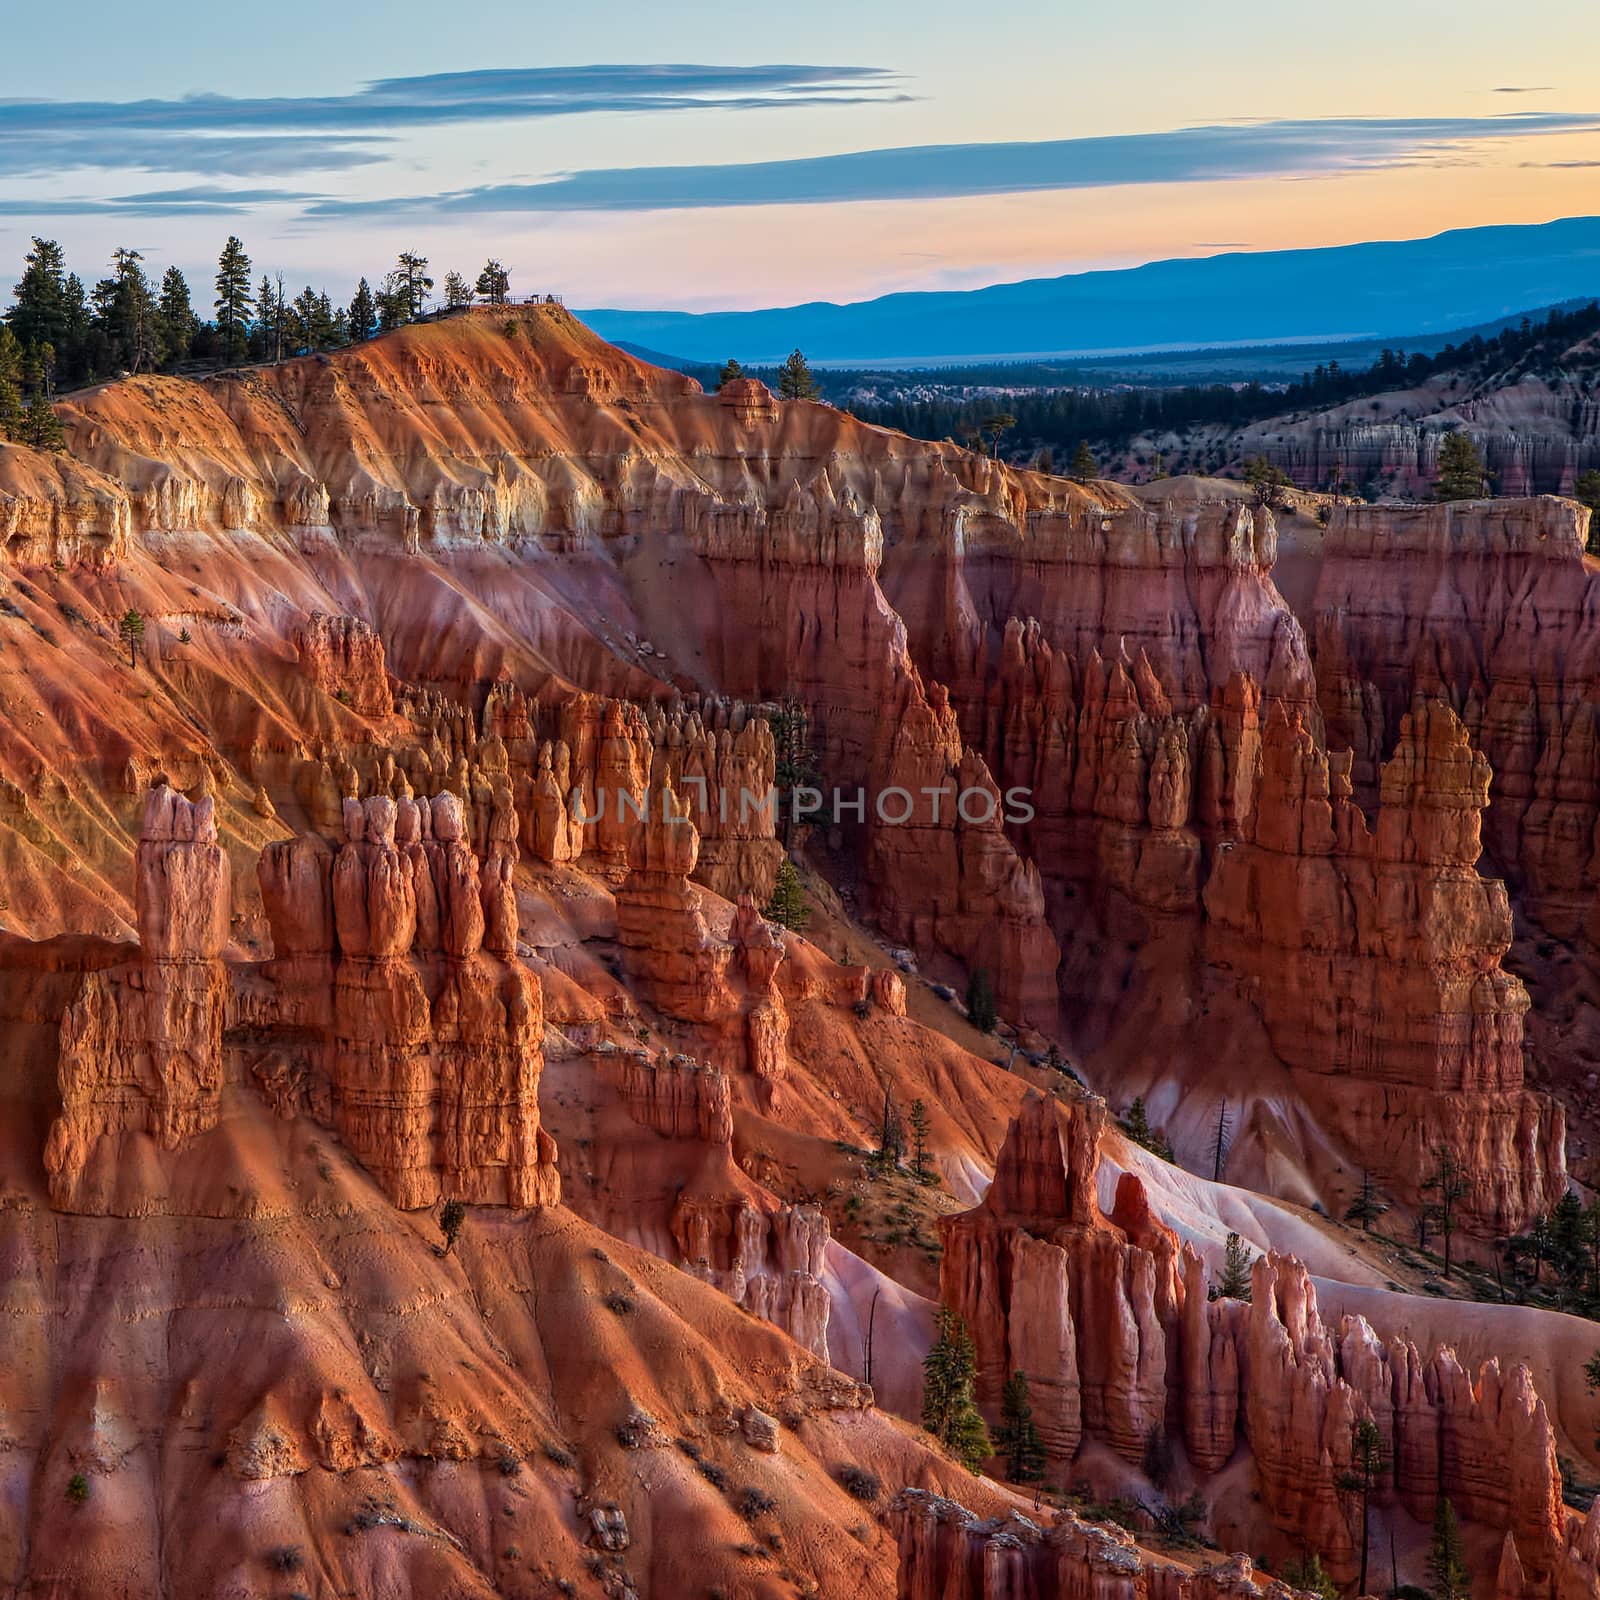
(1452, 280)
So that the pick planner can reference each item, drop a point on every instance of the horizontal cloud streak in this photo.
(224, 134)
(931, 172)
(199, 201)
(222, 155)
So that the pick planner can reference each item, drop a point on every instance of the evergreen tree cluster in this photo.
(1555, 1260)
(61, 333)
(1136, 1125)
(949, 1410)
(1059, 407)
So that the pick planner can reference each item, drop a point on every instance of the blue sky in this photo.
(724, 154)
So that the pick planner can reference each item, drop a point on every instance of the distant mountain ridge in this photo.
(1449, 281)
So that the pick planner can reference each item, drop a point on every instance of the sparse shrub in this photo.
(712, 1473)
(558, 1455)
(618, 1302)
(285, 1558)
(1308, 1573)
(753, 1503)
(858, 1483)
(510, 1464)
(77, 1488)
(451, 1216)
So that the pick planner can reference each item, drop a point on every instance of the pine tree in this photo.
(1309, 1574)
(1587, 488)
(1219, 1148)
(73, 348)
(233, 302)
(126, 314)
(969, 1438)
(312, 325)
(1448, 1181)
(981, 1011)
(41, 427)
(11, 413)
(949, 1411)
(919, 1141)
(1234, 1284)
(1001, 422)
(1462, 474)
(363, 314)
(1447, 1559)
(131, 627)
(1366, 1466)
(456, 292)
(41, 312)
(796, 766)
(795, 381)
(1137, 1122)
(1084, 466)
(392, 303)
(1016, 1440)
(1366, 1208)
(1267, 482)
(787, 907)
(415, 284)
(494, 283)
(1136, 1125)
(178, 321)
(730, 370)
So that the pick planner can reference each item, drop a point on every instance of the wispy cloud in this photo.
(220, 134)
(198, 201)
(1558, 165)
(1290, 148)
(1525, 88)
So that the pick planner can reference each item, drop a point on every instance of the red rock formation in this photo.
(1050, 1287)
(1535, 427)
(1489, 605)
(948, 1553)
(344, 658)
(141, 1046)
(668, 948)
(1116, 1334)
(431, 1048)
(1375, 960)
(945, 876)
(579, 562)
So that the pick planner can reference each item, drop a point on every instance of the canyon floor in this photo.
(426, 1171)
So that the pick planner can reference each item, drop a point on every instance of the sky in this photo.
(721, 155)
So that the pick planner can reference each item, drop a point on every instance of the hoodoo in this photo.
(553, 921)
